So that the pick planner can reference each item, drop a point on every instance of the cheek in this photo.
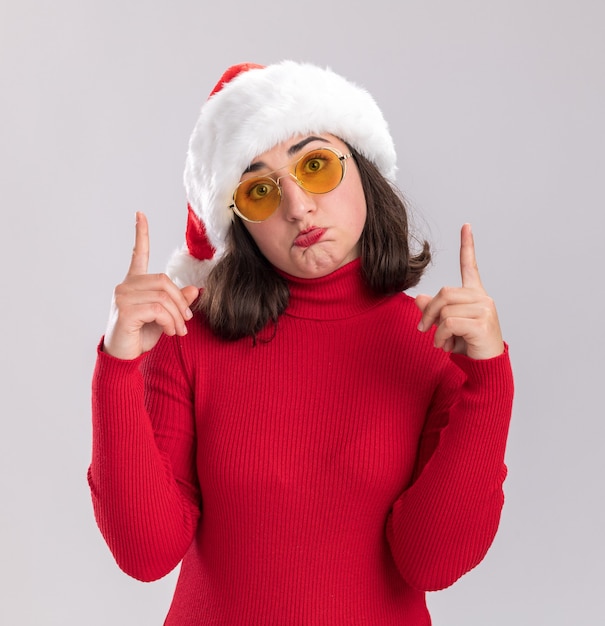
(360, 217)
(266, 236)
(355, 198)
(358, 212)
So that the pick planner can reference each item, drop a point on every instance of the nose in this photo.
(295, 201)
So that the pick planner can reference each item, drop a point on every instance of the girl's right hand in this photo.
(145, 305)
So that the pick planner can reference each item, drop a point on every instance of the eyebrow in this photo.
(292, 150)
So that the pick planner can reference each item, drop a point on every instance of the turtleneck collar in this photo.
(339, 295)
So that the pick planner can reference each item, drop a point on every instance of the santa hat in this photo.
(252, 109)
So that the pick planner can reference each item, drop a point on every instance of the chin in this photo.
(316, 267)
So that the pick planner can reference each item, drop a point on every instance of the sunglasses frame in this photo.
(343, 163)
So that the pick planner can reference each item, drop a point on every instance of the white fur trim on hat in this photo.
(259, 109)
(184, 269)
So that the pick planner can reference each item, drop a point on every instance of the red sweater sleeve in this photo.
(443, 524)
(142, 475)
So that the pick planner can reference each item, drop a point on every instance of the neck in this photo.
(339, 295)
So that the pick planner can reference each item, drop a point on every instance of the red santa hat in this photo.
(250, 110)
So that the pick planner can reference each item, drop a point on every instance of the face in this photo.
(309, 235)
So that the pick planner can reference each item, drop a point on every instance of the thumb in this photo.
(190, 293)
(422, 301)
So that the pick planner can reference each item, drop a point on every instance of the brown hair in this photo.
(244, 293)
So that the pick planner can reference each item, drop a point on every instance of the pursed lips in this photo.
(309, 236)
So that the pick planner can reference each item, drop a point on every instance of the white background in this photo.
(497, 110)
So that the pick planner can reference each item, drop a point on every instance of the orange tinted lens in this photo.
(257, 198)
(319, 171)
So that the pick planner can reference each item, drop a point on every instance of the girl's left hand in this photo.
(465, 317)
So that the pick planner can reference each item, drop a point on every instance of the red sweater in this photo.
(329, 476)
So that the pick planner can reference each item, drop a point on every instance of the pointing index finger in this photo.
(469, 270)
(140, 252)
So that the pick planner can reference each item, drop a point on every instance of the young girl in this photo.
(315, 446)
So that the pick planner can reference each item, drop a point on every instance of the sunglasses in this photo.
(318, 171)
